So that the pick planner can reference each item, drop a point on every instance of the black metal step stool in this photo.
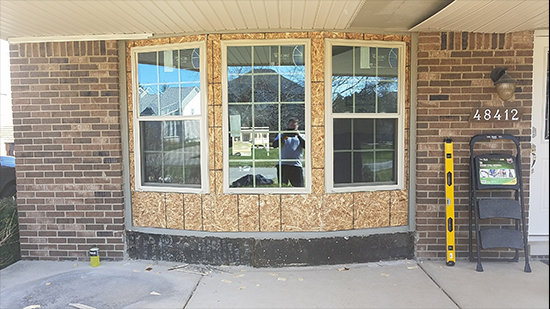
(494, 173)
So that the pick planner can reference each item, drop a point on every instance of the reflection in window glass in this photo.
(365, 115)
(170, 118)
(364, 79)
(171, 152)
(364, 150)
(265, 89)
(169, 82)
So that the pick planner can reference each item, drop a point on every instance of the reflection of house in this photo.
(264, 90)
(249, 137)
(172, 102)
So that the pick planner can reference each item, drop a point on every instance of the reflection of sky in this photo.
(293, 73)
(150, 76)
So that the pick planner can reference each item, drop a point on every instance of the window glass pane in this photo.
(169, 82)
(239, 56)
(240, 89)
(266, 86)
(364, 79)
(342, 174)
(151, 133)
(271, 81)
(363, 163)
(363, 133)
(292, 111)
(240, 116)
(168, 66)
(342, 134)
(266, 116)
(147, 69)
(171, 152)
(372, 158)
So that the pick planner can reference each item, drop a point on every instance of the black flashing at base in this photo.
(270, 252)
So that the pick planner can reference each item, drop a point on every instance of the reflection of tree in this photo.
(263, 96)
(364, 94)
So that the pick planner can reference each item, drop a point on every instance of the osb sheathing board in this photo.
(317, 211)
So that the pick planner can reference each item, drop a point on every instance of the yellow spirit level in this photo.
(450, 202)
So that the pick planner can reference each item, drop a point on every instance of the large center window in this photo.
(365, 104)
(170, 118)
(266, 95)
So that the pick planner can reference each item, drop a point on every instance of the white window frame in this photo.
(329, 116)
(306, 126)
(203, 118)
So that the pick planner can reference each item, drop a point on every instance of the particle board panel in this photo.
(243, 36)
(218, 115)
(216, 59)
(317, 115)
(187, 39)
(337, 212)
(217, 94)
(317, 60)
(218, 182)
(217, 137)
(286, 35)
(270, 213)
(132, 173)
(373, 37)
(208, 212)
(371, 209)
(192, 206)
(210, 108)
(212, 163)
(318, 94)
(174, 211)
(318, 143)
(318, 181)
(399, 209)
(131, 130)
(249, 213)
(148, 209)
(221, 213)
(301, 212)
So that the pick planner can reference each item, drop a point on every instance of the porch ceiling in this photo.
(54, 20)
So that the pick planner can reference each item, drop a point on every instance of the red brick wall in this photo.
(454, 78)
(68, 149)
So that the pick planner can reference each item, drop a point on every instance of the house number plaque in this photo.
(495, 114)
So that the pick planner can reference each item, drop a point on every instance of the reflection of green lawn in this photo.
(262, 158)
(384, 175)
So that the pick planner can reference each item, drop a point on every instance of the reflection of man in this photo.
(290, 164)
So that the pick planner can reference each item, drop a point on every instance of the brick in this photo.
(484, 52)
(63, 78)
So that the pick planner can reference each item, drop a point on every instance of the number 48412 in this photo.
(495, 114)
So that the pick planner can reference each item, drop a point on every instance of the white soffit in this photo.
(78, 18)
(488, 16)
